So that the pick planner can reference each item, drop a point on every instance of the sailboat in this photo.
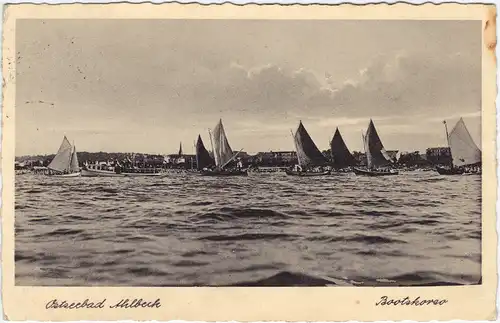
(99, 170)
(464, 152)
(341, 156)
(376, 155)
(223, 155)
(65, 162)
(308, 155)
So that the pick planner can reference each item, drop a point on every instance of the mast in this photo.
(71, 157)
(192, 161)
(212, 144)
(363, 140)
(448, 141)
(364, 146)
(447, 135)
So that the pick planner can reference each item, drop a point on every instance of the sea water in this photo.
(417, 228)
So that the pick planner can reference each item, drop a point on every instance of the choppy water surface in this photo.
(418, 228)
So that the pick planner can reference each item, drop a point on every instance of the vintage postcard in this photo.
(249, 162)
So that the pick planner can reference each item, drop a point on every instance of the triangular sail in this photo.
(74, 162)
(463, 149)
(222, 151)
(376, 154)
(308, 153)
(203, 158)
(62, 159)
(341, 156)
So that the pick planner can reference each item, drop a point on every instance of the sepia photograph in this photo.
(255, 152)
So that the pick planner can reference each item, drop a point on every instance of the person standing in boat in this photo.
(118, 168)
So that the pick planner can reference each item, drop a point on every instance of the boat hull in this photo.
(472, 174)
(142, 174)
(450, 171)
(364, 172)
(224, 173)
(99, 173)
(307, 174)
(66, 175)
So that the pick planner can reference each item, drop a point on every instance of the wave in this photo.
(260, 231)
(35, 191)
(40, 220)
(429, 278)
(248, 236)
(286, 278)
(64, 232)
(424, 222)
(254, 268)
(373, 212)
(373, 239)
(199, 203)
(289, 279)
(22, 206)
(389, 225)
(430, 180)
(226, 213)
(358, 238)
(146, 272)
(195, 253)
(189, 263)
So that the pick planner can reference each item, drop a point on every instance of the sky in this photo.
(147, 85)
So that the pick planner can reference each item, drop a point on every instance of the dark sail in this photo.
(376, 154)
(307, 152)
(341, 156)
(203, 158)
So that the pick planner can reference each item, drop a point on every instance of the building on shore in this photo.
(432, 156)
(413, 159)
(359, 157)
(439, 155)
(274, 159)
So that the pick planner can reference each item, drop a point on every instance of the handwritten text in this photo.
(407, 301)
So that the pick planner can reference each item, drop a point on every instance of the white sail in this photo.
(74, 167)
(222, 151)
(62, 160)
(463, 149)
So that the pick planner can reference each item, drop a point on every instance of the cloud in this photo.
(469, 115)
(171, 79)
(410, 85)
(263, 92)
(398, 85)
